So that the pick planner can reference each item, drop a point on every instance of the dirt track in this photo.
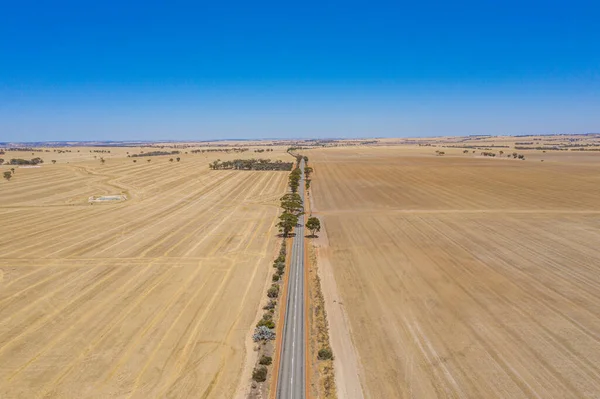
(153, 297)
(465, 276)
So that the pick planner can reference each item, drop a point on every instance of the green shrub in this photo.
(265, 360)
(325, 354)
(267, 323)
(275, 277)
(273, 292)
(259, 374)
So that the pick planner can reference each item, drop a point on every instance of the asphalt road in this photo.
(292, 373)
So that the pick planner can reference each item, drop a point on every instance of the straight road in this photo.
(292, 372)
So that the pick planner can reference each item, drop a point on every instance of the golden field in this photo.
(465, 276)
(151, 297)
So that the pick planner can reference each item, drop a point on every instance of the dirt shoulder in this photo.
(346, 362)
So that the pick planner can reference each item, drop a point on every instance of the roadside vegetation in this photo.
(264, 332)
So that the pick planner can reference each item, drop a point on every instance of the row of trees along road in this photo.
(313, 223)
(292, 206)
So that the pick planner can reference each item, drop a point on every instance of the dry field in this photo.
(152, 297)
(465, 276)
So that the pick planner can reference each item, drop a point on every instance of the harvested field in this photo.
(465, 276)
(150, 297)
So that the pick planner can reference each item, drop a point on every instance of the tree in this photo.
(287, 221)
(307, 171)
(171, 160)
(292, 203)
(313, 224)
(54, 161)
(7, 175)
(295, 180)
(325, 354)
(12, 170)
(260, 374)
(265, 360)
(305, 159)
(273, 292)
(102, 160)
(178, 159)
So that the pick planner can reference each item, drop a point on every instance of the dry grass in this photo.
(466, 276)
(151, 297)
(323, 378)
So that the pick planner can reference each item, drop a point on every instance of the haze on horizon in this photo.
(184, 71)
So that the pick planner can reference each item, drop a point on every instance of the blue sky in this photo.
(198, 70)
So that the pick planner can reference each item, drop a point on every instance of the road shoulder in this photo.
(346, 362)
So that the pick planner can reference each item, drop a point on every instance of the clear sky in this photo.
(101, 70)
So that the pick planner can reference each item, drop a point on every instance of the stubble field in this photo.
(151, 297)
(464, 276)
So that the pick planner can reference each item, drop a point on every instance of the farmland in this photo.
(154, 296)
(463, 276)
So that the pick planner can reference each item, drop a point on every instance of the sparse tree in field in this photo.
(7, 175)
(305, 159)
(171, 160)
(135, 160)
(12, 170)
(465, 151)
(54, 161)
(178, 159)
(102, 160)
(313, 224)
(307, 184)
(287, 221)
(149, 160)
(500, 152)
